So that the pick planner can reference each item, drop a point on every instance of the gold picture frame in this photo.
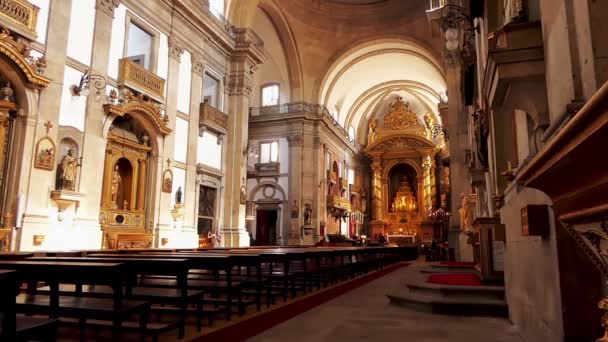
(167, 181)
(45, 154)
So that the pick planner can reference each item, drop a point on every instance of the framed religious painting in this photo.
(45, 154)
(167, 181)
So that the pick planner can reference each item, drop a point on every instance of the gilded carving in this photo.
(18, 51)
(138, 78)
(20, 12)
(398, 144)
(373, 125)
(400, 116)
(45, 154)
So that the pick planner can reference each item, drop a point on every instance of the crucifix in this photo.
(168, 163)
(48, 126)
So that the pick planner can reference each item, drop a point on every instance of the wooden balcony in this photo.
(213, 118)
(338, 202)
(20, 16)
(332, 177)
(343, 184)
(355, 189)
(267, 169)
(138, 78)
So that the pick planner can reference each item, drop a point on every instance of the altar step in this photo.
(477, 300)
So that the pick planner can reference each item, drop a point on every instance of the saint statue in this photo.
(116, 180)
(307, 214)
(67, 171)
(178, 195)
(466, 216)
(398, 105)
(372, 131)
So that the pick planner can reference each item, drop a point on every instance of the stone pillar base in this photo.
(465, 250)
(234, 237)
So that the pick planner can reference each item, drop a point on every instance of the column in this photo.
(163, 202)
(141, 189)
(377, 191)
(238, 88)
(296, 169)
(93, 149)
(29, 127)
(457, 140)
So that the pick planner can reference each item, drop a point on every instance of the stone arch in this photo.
(389, 166)
(407, 44)
(277, 187)
(277, 17)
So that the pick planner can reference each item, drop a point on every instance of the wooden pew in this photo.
(116, 309)
(15, 255)
(201, 262)
(177, 268)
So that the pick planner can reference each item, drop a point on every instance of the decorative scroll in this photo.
(138, 78)
(21, 13)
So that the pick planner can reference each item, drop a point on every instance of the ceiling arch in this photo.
(364, 76)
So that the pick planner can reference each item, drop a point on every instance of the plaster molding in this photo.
(107, 6)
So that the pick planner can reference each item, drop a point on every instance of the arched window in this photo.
(270, 95)
(217, 7)
(351, 134)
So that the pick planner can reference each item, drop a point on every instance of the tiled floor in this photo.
(365, 314)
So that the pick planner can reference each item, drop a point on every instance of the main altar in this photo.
(404, 191)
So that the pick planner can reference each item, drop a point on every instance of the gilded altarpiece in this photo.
(403, 187)
(122, 215)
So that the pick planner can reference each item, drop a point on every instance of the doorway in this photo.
(266, 227)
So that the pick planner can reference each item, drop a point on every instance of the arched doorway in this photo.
(403, 200)
(125, 182)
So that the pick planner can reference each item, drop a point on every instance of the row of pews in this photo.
(148, 292)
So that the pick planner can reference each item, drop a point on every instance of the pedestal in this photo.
(465, 249)
(308, 237)
(491, 248)
(376, 228)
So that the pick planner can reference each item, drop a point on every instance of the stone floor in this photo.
(365, 314)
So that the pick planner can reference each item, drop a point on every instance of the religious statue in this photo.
(307, 214)
(363, 201)
(178, 195)
(295, 211)
(67, 171)
(372, 130)
(398, 105)
(466, 217)
(116, 180)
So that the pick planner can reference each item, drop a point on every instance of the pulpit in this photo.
(492, 238)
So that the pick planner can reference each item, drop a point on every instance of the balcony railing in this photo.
(138, 78)
(332, 176)
(299, 108)
(213, 118)
(437, 4)
(21, 13)
(218, 17)
(337, 202)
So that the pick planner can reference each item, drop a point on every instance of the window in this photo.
(185, 83)
(269, 152)
(181, 140)
(351, 134)
(270, 95)
(217, 7)
(43, 17)
(351, 176)
(335, 114)
(80, 35)
(340, 169)
(211, 90)
(209, 151)
(328, 161)
(140, 46)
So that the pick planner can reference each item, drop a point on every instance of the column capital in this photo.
(107, 6)
(175, 49)
(198, 64)
(239, 83)
(294, 140)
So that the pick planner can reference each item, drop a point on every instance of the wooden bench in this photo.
(115, 309)
(177, 269)
(17, 327)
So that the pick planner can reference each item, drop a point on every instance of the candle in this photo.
(509, 166)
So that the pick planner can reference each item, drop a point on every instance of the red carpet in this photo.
(457, 263)
(260, 322)
(462, 279)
